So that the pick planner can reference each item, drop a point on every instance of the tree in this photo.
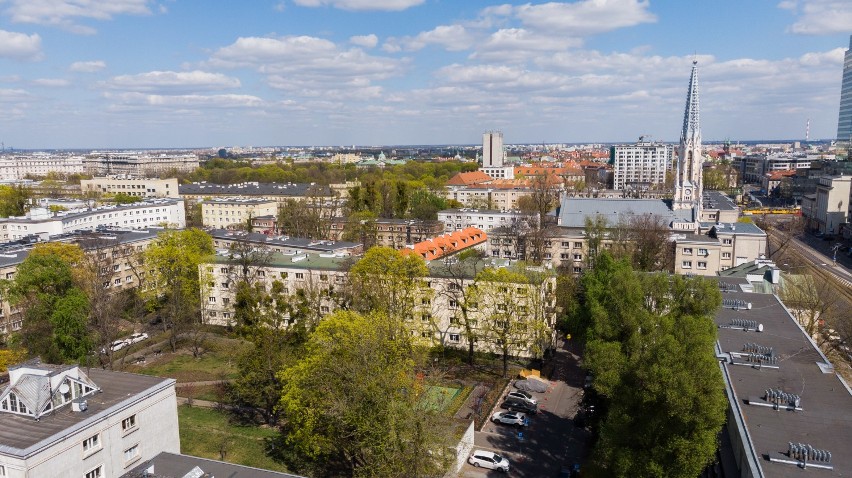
(176, 283)
(386, 280)
(458, 288)
(650, 346)
(653, 248)
(124, 198)
(14, 200)
(514, 311)
(354, 407)
(812, 302)
(595, 232)
(54, 309)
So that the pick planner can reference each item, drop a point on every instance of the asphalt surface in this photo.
(551, 440)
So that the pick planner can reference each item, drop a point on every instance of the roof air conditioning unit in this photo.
(79, 405)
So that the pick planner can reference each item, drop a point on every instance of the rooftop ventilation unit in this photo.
(736, 304)
(744, 324)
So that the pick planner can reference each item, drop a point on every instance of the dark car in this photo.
(519, 406)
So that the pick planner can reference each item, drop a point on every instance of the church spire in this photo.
(688, 175)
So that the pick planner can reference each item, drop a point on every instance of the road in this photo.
(551, 441)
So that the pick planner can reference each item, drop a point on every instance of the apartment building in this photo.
(132, 186)
(43, 224)
(640, 166)
(57, 421)
(450, 243)
(138, 163)
(829, 209)
(395, 233)
(17, 166)
(754, 167)
(484, 219)
(224, 213)
(434, 321)
(226, 239)
(278, 192)
(498, 194)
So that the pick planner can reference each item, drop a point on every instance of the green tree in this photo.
(124, 198)
(175, 281)
(651, 350)
(386, 280)
(14, 200)
(354, 407)
(54, 309)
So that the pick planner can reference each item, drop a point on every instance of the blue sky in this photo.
(197, 73)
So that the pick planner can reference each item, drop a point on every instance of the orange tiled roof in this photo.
(776, 175)
(447, 244)
(466, 179)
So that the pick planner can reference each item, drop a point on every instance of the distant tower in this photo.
(492, 149)
(844, 120)
(688, 181)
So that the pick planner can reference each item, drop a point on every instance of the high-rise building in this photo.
(844, 119)
(688, 180)
(641, 165)
(492, 149)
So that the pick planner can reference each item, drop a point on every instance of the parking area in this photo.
(551, 440)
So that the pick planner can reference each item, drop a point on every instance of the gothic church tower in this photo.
(688, 175)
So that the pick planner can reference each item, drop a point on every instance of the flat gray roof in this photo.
(283, 241)
(169, 465)
(300, 261)
(717, 200)
(254, 189)
(22, 436)
(826, 419)
(574, 211)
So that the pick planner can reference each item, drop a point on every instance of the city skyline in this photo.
(137, 73)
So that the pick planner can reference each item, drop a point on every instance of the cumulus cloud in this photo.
(518, 44)
(186, 101)
(819, 17)
(450, 37)
(586, 16)
(171, 80)
(20, 46)
(366, 41)
(87, 66)
(65, 13)
(51, 82)
(386, 5)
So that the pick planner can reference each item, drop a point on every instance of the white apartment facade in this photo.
(57, 421)
(640, 165)
(138, 163)
(228, 213)
(435, 320)
(831, 207)
(19, 166)
(142, 215)
(483, 219)
(132, 186)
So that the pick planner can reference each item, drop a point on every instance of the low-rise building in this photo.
(395, 233)
(450, 243)
(236, 212)
(57, 420)
(831, 208)
(132, 186)
(484, 219)
(138, 163)
(278, 192)
(43, 224)
(227, 239)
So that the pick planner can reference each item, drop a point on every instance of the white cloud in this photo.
(20, 46)
(586, 16)
(87, 66)
(171, 80)
(450, 37)
(386, 5)
(518, 44)
(834, 57)
(819, 17)
(186, 101)
(51, 82)
(64, 13)
(366, 41)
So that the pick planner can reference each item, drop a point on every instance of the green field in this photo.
(205, 433)
(438, 398)
(219, 363)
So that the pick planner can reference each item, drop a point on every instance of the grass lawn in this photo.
(204, 432)
(219, 363)
(439, 397)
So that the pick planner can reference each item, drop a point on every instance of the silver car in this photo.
(488, 459)
(510, 418)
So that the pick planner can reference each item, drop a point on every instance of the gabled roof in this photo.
(448, 244)
(466, 179)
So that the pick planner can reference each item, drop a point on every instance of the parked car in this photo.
(137, 337)
(488, 459)
(522, 395)
(118, 345)
(510, 418)
(516, 405)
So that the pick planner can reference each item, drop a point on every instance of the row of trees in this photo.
(649, 345)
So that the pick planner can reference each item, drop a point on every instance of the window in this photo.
(455, 338)
(687, 251)
(578, 245)
(687, 264)
(425, 317)
(300, 275)
(727, 242)
(128, 423)
(131, 453)
(97, 472)
(2, 470)
(726, 255)
(226, 300)
(92, 443)
(425, 335)
(453, 304)
(578, 270)
(702, 265)
(117, 281)
(702, 252)
(211, 300)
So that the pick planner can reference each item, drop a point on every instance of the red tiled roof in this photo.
(448, 244)
(776, 175)
(466, 179)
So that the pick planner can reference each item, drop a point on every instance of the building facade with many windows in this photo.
(237, 212)
(844, 119)
(132, 186)
(57, 420)
(640, 166)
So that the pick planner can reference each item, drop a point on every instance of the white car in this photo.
(118, 345)
(490, 460)
(522, 396)
(137, 337)
(510, 418)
